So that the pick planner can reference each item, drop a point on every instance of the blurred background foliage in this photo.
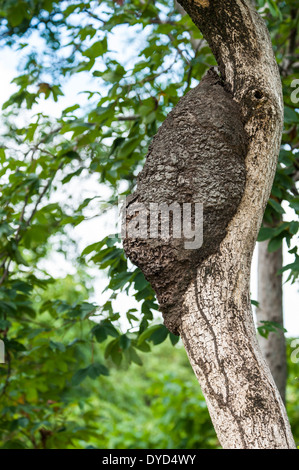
(69, 381)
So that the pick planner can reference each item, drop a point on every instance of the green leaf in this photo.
(124, 342)
(96, 50)
(274, 244)
(294, 203)
(109, 328)
(293, 266)
(100, 333)
(159, 335)
(173, 338)
(55, 346)
(270, 326)
(19, 258)
(140, 282)
(134, 357)
(265, 233)
(294, 226)
(276, 206)
(290, 115)
(79, 376)
(2, 155)
(128, 147)
(93, 247)
(120, 280)
(113, 350)
(95, 370)
(147, 333)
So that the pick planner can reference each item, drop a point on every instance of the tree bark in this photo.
(218, 330)
(213, 312)
(270, 309)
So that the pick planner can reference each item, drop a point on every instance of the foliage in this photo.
(268, 326)
(282, 19)
(156, 406)
(292, 390)
(53, 347)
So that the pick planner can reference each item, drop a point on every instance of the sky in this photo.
(94, 230)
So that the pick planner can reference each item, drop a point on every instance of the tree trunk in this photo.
(269, 296)
(212, 311)
(218, 330)
(270, 309)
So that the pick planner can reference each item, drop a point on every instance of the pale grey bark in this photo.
(271, 309)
